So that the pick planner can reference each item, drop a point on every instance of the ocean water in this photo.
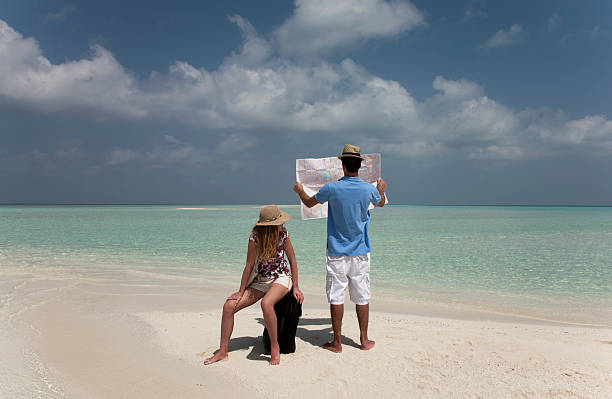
(547, 262)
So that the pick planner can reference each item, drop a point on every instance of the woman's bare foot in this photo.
(274, 355)
(332, 346)
(367, 345)
(217, 357)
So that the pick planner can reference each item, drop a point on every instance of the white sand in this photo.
(414, 356)
(140, 335)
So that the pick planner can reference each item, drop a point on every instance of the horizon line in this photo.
(252, 204)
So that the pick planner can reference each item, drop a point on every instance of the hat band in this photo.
(351, 153)
(270, 220)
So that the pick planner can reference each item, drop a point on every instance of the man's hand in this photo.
(306, 200)
(298, 188)
(381, 186)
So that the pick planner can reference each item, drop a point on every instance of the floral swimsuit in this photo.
(276, 266)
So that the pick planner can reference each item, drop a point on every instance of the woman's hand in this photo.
(299, 297)
(235, 296)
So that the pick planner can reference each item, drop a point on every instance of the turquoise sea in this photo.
(547, 262)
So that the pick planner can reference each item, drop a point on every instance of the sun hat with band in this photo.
(350, 151)
(271, 215)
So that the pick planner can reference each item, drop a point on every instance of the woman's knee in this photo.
(267, 304)
(230, 306)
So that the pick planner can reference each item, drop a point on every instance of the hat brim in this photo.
(350, 156)
(284, 217)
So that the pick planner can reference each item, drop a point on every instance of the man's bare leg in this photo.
(274, 294)
(337, 312)
(363, 314)
(230, 307)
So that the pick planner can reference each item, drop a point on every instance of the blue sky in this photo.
(469, 102)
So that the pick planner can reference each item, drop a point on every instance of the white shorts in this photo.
(263, 284)
(351, 271)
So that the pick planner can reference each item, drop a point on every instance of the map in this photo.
(314, 173)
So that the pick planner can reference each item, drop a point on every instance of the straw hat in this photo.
(350, 151)
(271, 215)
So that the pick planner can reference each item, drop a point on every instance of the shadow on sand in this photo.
(313, 336)
(255, 343)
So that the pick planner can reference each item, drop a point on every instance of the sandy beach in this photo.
(448, 163)
(118, 334)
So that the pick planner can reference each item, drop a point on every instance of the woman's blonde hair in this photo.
(266, 241)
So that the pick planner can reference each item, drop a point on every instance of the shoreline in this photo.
(454, 305)
(134, 326)
(394, 300)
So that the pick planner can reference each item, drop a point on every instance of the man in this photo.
(348, 245)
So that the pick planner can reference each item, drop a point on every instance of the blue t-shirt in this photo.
(348, 217)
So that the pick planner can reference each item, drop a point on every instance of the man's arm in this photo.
(381, 186)
(308, 201)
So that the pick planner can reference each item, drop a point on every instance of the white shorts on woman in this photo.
(263, 284)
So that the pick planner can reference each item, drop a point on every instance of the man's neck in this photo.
(347, 174)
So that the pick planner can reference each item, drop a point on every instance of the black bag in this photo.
(288, 312)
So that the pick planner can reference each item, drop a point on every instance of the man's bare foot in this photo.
(367, 345)
(332, 346)
(217, 357)
(274, 355)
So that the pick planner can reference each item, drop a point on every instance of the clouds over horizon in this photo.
(505, 38)
(263, 88)
(321, 26)
(98, 85)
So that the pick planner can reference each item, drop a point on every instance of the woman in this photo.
(265, 276)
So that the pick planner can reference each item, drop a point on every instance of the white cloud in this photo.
(98, 84)
(254, 50)
(59, 15)
(592, 130)
(323, 97)
(226, 148)
(475, 9)
(504, 38)
(321, 26)
(171, 139)
(497, 152)
(553, 22)
(70, 153)
(254, 91)
(596, 32)
(457, 88)
(173, 155)
(37, 156)
(462, 118)
(120, 156)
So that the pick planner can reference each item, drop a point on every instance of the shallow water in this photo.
(549, 262)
